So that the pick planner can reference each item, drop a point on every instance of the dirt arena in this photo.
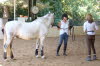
(76, 50)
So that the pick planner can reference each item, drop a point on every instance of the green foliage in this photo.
(55, 6)
(20, 10)
(11, 11)
(76, 10)
(1, 10)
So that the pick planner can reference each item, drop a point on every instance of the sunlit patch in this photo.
(2, 1)
(0, 65)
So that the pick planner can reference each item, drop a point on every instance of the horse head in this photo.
(52, 19)
(49, 18)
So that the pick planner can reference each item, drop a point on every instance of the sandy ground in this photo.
(76, 50)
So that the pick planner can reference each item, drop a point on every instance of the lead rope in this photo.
(73, 34)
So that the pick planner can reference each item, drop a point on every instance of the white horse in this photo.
(38, 28)
(1, 27)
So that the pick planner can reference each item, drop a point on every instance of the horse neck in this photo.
(48, 23)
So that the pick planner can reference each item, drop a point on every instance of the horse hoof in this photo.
(6, 60)
(37, 56)
(12, 57)
(43, 57)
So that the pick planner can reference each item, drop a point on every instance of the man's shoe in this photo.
(57, 54)
(88, 58)
(64, 54)
(94, 57)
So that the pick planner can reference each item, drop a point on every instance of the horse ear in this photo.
(49, 12)
(53, 13)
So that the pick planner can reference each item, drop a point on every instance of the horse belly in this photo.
(26, 35)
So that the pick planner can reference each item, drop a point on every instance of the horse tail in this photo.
(4, 35)
(3, 31)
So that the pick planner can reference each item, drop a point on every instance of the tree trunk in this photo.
(34, 15)
(34, 2)
(29, 6)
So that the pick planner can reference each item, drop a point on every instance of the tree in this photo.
(76, 10)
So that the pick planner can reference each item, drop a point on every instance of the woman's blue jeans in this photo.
(63, 37)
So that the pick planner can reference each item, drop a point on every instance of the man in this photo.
(63, 26)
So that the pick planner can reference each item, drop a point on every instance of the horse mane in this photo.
(46, 19)
(42, 19)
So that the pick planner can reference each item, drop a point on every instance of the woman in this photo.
(89, 27)
(63, 27)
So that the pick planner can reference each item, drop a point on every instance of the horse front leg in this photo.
(42, 46)
(37, 47)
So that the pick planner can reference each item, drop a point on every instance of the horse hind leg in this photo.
(5, 51)
(37, 47)
(11, 53)
(8, 52)
(7, 48)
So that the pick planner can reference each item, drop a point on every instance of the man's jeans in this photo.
(63, 37)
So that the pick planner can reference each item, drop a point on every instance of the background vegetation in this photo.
(76, 10)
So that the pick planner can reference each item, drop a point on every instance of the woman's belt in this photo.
(90, 31)
(64, 28)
